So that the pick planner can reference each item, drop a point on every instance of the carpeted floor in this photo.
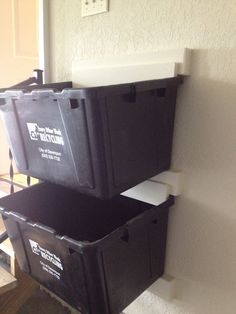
(41, 303)
(19, 179)
(19, 182)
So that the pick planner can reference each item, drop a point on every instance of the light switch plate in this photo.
(91, 7)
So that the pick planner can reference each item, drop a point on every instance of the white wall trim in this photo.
(157, 189)
(131, 68)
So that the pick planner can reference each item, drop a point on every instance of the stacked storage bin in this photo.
(74, 233)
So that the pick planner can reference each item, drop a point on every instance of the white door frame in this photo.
(44, 40)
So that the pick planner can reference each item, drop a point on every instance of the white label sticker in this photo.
(45, 134)
(45, 254)
(50, 270)
(49, 154)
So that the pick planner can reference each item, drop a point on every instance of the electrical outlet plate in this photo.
(91, 7)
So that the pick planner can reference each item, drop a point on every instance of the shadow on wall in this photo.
(206, 112)
(204, 241)
(201, 245)
(202, 259)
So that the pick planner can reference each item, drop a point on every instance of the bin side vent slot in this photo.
(154, 221)
(125, 236)
(161, 92)
(74, 103)
(71, 251)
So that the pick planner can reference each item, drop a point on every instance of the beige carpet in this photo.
(41, 303)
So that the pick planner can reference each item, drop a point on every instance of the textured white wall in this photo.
(201, 250)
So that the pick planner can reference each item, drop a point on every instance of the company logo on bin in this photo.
(33, 131)
(44, 253)
(35, 247)
(45, 134)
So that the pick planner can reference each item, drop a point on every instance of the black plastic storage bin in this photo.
(100, 141)
(98, 255)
